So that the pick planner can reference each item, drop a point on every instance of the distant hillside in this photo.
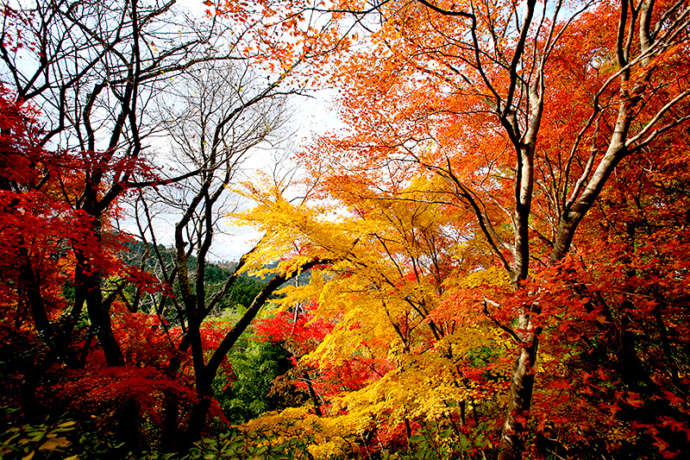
(242, 292)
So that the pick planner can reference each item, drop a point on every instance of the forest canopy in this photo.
(485, 258)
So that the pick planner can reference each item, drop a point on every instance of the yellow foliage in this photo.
(386, 293)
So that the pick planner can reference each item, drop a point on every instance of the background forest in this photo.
(485, 258)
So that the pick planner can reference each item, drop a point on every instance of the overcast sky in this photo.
(310, 116)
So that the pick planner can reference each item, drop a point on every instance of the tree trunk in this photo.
(100, 320)
(521, 386)
(169, 435)
(128, 424)
(197, 421)
(88, 283)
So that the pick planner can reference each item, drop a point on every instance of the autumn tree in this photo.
(510, 178)
(92, 69)
(34, 223)
(523, 113)
(95, 72)
(380, 344)
(216, 119)
(501, 73)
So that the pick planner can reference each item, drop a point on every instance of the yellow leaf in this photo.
(55, 444)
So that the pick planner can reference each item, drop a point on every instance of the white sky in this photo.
(310, 117)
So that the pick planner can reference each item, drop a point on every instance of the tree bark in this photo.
(520, 398)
